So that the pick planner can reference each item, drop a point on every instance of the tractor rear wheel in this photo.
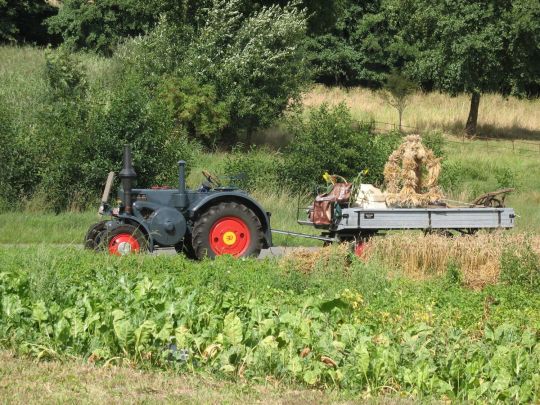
(91, 240)
(124, 240)
(227, 228)
(186, 247)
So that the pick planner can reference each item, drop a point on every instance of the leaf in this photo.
(39, 312)
(362, 356)
(122, 327)
(311, 377)
(166, 332)
(232, 328)
(144, 334)
(295, 366)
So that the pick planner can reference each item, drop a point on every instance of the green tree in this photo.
(23, 20)
(254, 64)
(471, 46)
(101, 25)
(397, 92)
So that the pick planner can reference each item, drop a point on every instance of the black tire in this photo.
(186, 247)
(106, 237)
(203, 226)
(91, 240)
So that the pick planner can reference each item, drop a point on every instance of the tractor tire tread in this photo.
(202, 226)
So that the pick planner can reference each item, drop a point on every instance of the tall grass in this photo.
(498, 116)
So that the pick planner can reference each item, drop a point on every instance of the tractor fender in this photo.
(132, 220)
(235, 196)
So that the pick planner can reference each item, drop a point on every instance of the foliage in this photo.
(330, 140)
(101, 25)
(253, 62)
(195, 108)
(65, 74)
(252, 320)
(22, 20)
(397, 92)
(521, 267)
(255, 169)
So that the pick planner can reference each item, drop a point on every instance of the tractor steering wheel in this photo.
(212, 178)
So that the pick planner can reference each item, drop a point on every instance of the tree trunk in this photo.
(470, 127)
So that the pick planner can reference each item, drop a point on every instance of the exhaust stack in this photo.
(127, 175)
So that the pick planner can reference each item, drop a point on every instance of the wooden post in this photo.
(513, 146)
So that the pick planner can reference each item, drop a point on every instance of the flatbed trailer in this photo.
(358, 224)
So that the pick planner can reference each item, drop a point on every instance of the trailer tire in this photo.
(227, 228)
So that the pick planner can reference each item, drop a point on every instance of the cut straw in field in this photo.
(477, 256)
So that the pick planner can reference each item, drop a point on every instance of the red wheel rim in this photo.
(124, 244)
(229, 236)
(359, 249)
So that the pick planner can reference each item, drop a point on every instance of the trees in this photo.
(101, 25)
(251, 66)
(22, 20)
(471, 46)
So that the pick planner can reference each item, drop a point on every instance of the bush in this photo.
(435, 141)
(195, 108)
(256, 169)
(330, 140)
(65, 74)
(521, 267)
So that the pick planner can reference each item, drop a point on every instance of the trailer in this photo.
(355, 224)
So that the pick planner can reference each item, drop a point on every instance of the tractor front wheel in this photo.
(124, 240)
(227, 228)
(91, 240)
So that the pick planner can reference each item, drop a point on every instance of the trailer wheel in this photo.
(227, 228)
(124, 240)
(91, 240)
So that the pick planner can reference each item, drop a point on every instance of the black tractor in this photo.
(207, 222)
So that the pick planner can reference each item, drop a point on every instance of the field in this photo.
(417, 319)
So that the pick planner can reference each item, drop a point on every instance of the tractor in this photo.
(208, 222)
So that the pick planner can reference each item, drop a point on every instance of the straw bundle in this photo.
(404, 174)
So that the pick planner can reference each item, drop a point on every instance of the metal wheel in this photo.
(227, 229)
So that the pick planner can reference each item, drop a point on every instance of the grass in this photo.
(25, 381)
(498, 116)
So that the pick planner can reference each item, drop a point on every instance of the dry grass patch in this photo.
(308, 260)
(478, 257)
(498, 116)
(25, 381)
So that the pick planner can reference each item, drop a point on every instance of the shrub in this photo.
(256, 169)
(330, 140)
(521, 267)
(435, 141)
(195, 108)
(65, 74)
(505, 177)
